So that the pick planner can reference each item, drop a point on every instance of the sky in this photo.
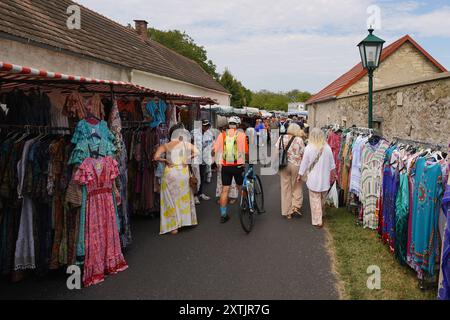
(281, 45)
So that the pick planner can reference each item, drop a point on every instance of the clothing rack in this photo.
(362, 130)
(135, 124)
(440, 147)
(43, 129)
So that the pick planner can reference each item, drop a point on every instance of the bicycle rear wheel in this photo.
(259, 195)
(246, 215)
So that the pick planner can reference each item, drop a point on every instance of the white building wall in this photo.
(157, 82)
(57, 61)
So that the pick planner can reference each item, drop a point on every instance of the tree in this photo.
(183, 44)
(240, 95)
(298, 96)
(268, 100)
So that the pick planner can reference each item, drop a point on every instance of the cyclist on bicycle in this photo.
(231, 149)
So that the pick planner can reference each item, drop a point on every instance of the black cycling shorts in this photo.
(230, 172)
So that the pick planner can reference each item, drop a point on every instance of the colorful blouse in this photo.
(86, 141)
(296, 150)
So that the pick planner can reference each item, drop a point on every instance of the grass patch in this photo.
(354, 249)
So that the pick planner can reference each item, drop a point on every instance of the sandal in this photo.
(174, 232)
(297, 213)
(289, 216)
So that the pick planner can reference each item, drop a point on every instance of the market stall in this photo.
(76, 163)
(398, 187)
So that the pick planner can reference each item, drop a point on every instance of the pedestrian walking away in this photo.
(292, 148)
(318, 168)
(231, 151)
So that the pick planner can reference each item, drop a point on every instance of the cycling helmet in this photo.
(235, 120)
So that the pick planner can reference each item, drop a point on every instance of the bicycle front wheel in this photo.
(246, 215)
(259, 195)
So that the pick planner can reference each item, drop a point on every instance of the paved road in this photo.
(279, 260)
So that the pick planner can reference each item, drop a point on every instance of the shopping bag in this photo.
(332, 196)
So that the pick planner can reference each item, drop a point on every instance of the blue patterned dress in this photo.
(401, 219)
(427, 199)
(444, 287)
(390, 189)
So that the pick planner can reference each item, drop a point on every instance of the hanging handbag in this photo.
(193, 181)
(311, 167)
(284, 152)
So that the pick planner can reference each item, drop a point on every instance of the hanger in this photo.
(425, 153)
(93, 153)
(95, 135)
(437, 155)
(91, 116)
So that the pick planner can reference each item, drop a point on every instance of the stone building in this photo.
(411, 96)
(36, 34)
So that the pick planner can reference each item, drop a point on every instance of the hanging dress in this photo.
(428, 192)
(177, 197)
(372, 159)
(103, 254)
(444, 285)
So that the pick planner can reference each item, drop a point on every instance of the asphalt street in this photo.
(281, 259)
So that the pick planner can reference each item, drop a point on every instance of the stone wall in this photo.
(323, 113)
(417, 111)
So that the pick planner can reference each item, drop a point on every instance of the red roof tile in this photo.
(345, 81)
(44, 22)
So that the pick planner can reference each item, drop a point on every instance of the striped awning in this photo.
(18, 77)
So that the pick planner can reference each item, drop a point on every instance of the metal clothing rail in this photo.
(135, 124)
(42, 129)
(416, 142)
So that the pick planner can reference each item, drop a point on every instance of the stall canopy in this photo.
(19, 77)
(298, 113)
(230, 111)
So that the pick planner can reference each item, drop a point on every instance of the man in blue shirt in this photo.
(259, 125)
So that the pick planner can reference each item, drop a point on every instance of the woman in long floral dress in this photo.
(177, 197)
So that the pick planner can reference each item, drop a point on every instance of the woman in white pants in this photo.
(319, 167)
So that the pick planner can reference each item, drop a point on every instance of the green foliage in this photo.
(298, 96)
(240, 95)
(183, 44)
(269, 100)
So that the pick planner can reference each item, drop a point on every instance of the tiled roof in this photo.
(44, 22)
(345, 81)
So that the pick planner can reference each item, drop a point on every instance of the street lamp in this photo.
(370, 49)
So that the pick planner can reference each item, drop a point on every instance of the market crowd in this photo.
(190, 158)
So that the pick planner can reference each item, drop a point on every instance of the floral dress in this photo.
(177, 197)
(103, 254)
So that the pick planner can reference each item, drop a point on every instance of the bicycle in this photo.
(252, 199)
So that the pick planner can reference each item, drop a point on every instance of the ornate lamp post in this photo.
(370, 49)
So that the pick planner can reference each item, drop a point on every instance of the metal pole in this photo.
(370, 98)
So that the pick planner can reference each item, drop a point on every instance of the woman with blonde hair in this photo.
(318, 168)
(291, 188)
(177, 197)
